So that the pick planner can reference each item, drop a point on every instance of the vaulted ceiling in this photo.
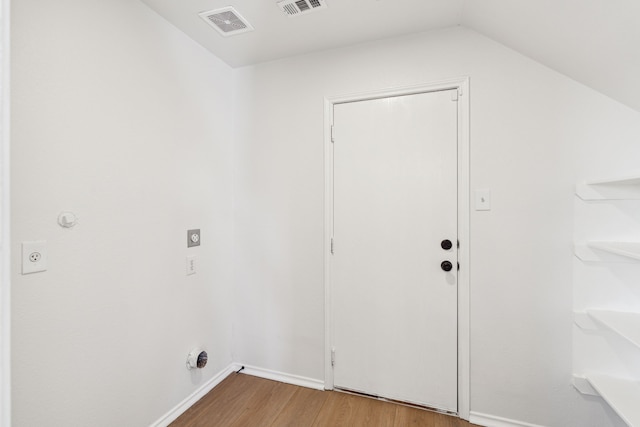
(595, 42)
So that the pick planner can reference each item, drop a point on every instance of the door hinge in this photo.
(332, 246)
(454, 95)
(333, 134)
(333, 357)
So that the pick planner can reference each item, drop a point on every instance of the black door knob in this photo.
(446, 265)
(446, 244)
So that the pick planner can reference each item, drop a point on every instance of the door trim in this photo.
(5, 235)
(462, 85)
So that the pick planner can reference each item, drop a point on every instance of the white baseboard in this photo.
(493, 421)
(181, 407)
(474, 417)
(281, 376)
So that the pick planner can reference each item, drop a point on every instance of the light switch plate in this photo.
(193, 238)
(483, 200)
(34, 257)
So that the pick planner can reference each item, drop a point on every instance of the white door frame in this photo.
(5, 238)
(462, 85)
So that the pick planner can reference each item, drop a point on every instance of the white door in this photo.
(395, 202)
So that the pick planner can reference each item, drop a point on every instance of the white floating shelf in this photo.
(625, 188)
(626, 249)
(630, 251)
(622, 395)
(625, 324)
(627, 180)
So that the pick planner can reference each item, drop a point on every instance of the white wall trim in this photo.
(493, 421)
(187, 403)
(328, 235)
(5, 224)
(464, 236)
(281, 376)
(462, 84)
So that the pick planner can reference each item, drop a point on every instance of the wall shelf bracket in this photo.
(621, 394)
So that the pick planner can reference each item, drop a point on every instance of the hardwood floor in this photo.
(244, 400)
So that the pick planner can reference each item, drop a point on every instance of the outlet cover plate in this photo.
(191, 265)
(193, 238)
(34, 257)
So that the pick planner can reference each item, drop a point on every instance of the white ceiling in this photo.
(596, 42)
(276, 35)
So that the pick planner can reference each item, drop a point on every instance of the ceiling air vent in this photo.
(227, 21)
(300, 7)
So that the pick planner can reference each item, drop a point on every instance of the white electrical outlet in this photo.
(191, 265)
(34, 257)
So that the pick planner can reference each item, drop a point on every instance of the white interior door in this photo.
(395, 201)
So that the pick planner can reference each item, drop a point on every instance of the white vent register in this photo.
(227, 21)
(300, 7)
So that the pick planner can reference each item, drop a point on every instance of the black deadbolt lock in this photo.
(446, 266)
(446, 244)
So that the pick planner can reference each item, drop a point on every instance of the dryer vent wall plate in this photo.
(293, 8)
(197, 359)
(227, 21)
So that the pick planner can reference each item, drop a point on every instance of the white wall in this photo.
(122, 119)
(533, 132)
(5, 242)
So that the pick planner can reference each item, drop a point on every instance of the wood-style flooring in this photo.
(244, 400)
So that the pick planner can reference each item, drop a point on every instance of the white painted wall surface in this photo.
(5, 232)
(533, 132)
(123, 120)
